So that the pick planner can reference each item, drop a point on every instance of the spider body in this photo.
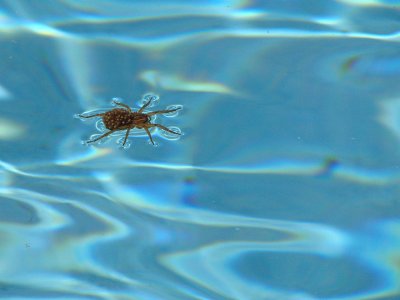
(126, 119)
(120, 118)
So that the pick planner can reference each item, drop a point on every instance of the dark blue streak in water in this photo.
(376, 65)
(189, 192)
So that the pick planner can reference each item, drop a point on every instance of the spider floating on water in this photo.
(125, 119)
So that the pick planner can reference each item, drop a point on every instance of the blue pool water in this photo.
(283, 185)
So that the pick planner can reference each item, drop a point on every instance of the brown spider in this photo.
(126, 119)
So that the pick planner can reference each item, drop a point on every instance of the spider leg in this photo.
(92, 116)
(144, 106)
(163, 128)
(100, 137)
(123, 105)
(148, 133)
(126, 136)
(163, 111)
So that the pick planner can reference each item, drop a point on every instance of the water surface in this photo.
(284, 184)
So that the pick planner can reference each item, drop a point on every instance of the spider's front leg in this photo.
(163, 128)
(122, 105)
(163, 111)
(144, 106)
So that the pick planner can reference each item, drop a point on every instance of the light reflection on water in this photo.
(283, 186)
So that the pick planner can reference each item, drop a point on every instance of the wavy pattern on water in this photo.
(322, 168)
(69, 253)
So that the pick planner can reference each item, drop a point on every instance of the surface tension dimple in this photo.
(170, 136)
(100, 126)
(84, 116)
(156, 144)
(81, 116)
(155, 99)
(94, 136)
(100, 141)
(176, 107)
(121, 144)
(116, 100)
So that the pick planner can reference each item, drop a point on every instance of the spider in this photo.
(126, 119)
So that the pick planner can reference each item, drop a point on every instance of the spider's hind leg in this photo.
(146, 127)
(100, 137)
(92, 116)
(126, 136)
(149, 134)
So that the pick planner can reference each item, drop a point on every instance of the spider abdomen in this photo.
(120, 118)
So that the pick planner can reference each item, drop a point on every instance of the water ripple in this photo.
(284, 185)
